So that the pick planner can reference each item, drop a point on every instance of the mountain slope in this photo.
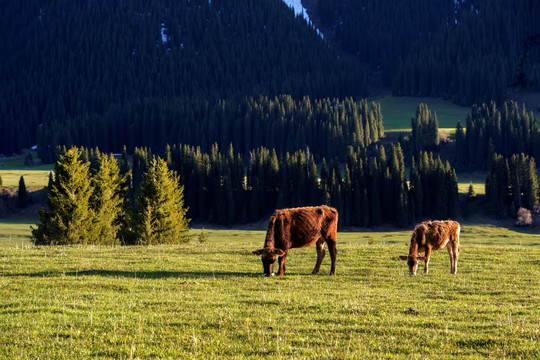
(65, 60)
(469, 50)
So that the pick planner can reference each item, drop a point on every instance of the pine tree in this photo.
(22, 194)
(461, 159)
(415, 189)
(453, 191)
(68, 219)
(498, 185)
(108, 201)
(471, 194)
(51, 181)
(162, 215)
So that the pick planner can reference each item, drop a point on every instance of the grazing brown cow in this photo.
(297, 228)
(433, 235)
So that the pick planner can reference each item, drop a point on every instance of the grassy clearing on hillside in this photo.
(478, 180)
(210, 300)
(398, 111)
(12, 168)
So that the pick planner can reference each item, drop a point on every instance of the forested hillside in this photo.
(469, 50)
(287, 125)
(71, 64)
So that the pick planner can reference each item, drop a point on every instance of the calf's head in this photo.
(412, 261)
(268, 258)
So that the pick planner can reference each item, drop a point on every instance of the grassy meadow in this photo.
(398, 111)
(210, 300)
(12, 168)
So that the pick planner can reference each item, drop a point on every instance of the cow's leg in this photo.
(332, 241)
(320, 255)
(452, 256)
(281, 263)
(453, 250)
(456, 256)
(428, 255)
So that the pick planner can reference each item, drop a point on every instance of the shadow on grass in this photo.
(140, 274)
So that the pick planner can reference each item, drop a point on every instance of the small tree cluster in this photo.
(87, 204)
(512, 184)
(425, 130)
(505, 130)
(433, 188)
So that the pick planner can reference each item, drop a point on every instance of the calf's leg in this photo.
(458, 250)
(452, 255)
(455, 253)
(320, 255)
(428, 254)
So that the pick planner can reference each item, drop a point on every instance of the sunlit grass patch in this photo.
(210, 300)
(398, 111)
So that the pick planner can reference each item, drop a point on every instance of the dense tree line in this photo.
(327, 126)
(68, 62)
(88, 203)
(367, 190)
(469, 50)
(424, 131)
(512, 183)
(95, 199)
(506, 130)
(433, 188)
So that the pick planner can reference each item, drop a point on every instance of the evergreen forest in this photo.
(467, 50)
(250, 109)
(82, 62)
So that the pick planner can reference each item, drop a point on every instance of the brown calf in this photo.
(433, 235)
(297, 228)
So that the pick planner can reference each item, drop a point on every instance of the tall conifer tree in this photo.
(108, 201)
(68, 219)
(22, 194)
(162, 215)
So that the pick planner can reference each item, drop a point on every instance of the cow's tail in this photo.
(269, 241)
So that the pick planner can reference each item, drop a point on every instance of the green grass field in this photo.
(210, 300)
(477, 178)
(398, 111)
(12, 168)
(15, 232)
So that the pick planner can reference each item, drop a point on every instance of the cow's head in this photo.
(268, 257)
(412, 261)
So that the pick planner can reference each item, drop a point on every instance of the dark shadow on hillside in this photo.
(140, 274)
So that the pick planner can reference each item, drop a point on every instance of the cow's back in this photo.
(439, 233)
(306, 225)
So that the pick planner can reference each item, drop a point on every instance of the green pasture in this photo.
(476, 178)
(12, 168)
(15, 232)
(210, 301)
(398, 111)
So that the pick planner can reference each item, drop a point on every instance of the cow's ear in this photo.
(279, 252)
(257, 252)
(421, 258)
(403, 257)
